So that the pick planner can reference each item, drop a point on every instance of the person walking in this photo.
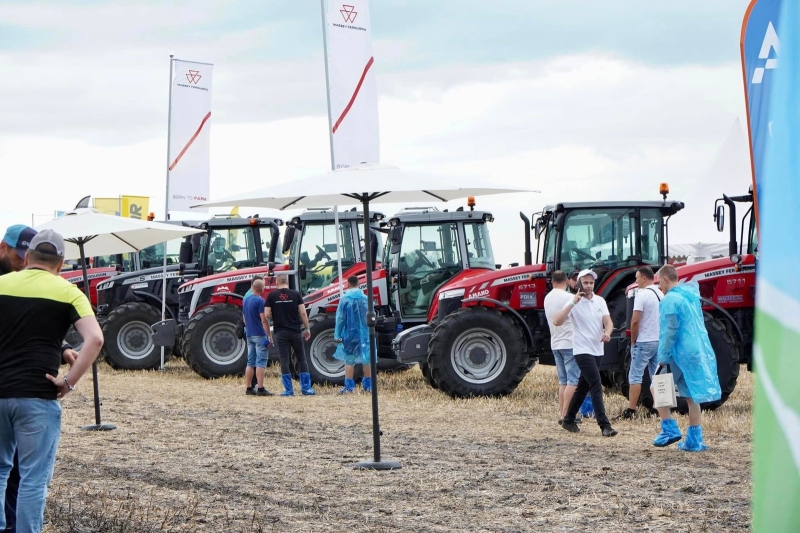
(290, 328)
(683, 344)
(561, 341)
(644, 336)
(352, 334)
(38, 306)
(258, 339)
(591, 327)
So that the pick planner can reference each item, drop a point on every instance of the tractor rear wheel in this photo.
(728, 366)
(210, 345)
(426, 375)
(128, 344)
(476, 351)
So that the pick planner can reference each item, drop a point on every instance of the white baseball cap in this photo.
(587, 272)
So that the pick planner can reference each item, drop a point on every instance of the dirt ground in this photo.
(197, 455)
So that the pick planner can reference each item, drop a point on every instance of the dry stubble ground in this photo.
(197, 455)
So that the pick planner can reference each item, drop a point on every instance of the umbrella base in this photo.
(378, 465)
(99, 427)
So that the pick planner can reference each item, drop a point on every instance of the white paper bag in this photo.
(664, 391)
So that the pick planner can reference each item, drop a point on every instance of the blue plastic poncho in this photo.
(683, 342)
(351, 327)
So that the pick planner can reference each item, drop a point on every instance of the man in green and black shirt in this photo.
(38, 306)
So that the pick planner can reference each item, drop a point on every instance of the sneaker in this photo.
(263, 392)
(250, 392)
(609, 432)
(572, 427)
(627, 414)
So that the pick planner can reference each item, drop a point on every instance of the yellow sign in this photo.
(108, 206)
(135, 207)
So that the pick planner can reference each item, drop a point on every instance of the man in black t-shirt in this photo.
(290, 328)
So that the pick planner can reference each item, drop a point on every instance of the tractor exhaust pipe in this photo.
(527, 221)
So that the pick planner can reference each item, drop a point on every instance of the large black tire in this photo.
(210, 345)
(476, 351)
(324, 369)
(728, 366)
(617, 307)
(426, 375)
(128, 344)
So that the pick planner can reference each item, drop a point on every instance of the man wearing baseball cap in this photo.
(591, 327)
(38, 306)
(13, 247)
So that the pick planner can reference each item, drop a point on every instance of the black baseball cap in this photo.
(19, 237)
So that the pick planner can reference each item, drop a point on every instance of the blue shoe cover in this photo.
(366, 384)
(288, 389)
(305, 384)
(670, 432)
(694, 440)
(349, 386)
(587, 409)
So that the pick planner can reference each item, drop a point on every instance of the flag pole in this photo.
(166, 205)
(330, 140)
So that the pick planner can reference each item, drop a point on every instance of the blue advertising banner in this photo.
(759, 47)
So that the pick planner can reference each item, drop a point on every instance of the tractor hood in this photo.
(143, 276)
(712, 268)
(240, 274)
(76, 276)
(480, 280)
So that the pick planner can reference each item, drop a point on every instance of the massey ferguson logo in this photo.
(193, 76)
(223, 288)
(348, 13)
(284, 296)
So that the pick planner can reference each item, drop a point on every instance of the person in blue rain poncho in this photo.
(352, 334)
(683, 344)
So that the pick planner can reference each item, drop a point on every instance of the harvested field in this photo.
(197, 455)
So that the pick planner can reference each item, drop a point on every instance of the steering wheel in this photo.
(582, 254)
(323, 253)
(425, 259)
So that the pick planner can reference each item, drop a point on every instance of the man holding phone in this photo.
(591, 327)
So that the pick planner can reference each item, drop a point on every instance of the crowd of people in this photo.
(667, 331)
(38, 306)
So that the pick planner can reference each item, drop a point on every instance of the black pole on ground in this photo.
(376, 463)
(97, 426)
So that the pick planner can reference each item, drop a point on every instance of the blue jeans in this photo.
(643, 356)
(256, 353)
(31, 427)
(566, 367)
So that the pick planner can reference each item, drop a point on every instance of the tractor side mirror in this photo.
(288, 238)
(538, 227)
(403, 279)
(396, 236)
(185, 254)
(719, 217)
(302, 271)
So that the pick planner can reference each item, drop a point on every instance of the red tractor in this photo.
(210, 307)
(488, 329)
(99, 269)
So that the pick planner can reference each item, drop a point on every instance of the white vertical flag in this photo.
(189, 134)
(351, 82)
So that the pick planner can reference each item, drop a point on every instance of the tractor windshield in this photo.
(752, 247)
(607, 237)
(231, 249)
(318, 255)
(153, 256)
(479, 247)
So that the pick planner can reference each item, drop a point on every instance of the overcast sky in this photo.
(583, 100)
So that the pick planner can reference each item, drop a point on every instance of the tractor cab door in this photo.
(316, 255)
(429, 256)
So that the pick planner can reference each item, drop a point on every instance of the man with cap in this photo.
(38, 306)
(591, 327)
(13, 247)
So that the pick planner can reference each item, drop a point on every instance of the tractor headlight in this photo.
(452, 293)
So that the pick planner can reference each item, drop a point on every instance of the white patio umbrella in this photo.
(365, 183)
(87, 232)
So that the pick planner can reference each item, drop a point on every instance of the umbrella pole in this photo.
(376, 463)
(97, 426)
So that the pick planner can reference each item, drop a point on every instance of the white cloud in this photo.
(588, 127)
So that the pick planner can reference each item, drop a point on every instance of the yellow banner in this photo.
(108, 206)
(135, 207)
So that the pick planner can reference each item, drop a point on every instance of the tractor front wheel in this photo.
(210, 345)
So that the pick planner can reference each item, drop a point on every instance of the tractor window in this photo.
(594, 238)
(549, 243)
(752, 246)
(360, 228)
(231, 249)
(479, 247)
(429, 256)
(102, 261)
(318, 254)
(651, 236)
(153, 256)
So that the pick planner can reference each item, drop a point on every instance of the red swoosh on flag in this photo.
(355, 93)
(203, 123)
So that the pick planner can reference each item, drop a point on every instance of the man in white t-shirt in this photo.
(561, 342)
(644, 336)
(591, 327)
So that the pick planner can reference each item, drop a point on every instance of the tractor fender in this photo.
(155, 301)
(727, 315)
(514, 315)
